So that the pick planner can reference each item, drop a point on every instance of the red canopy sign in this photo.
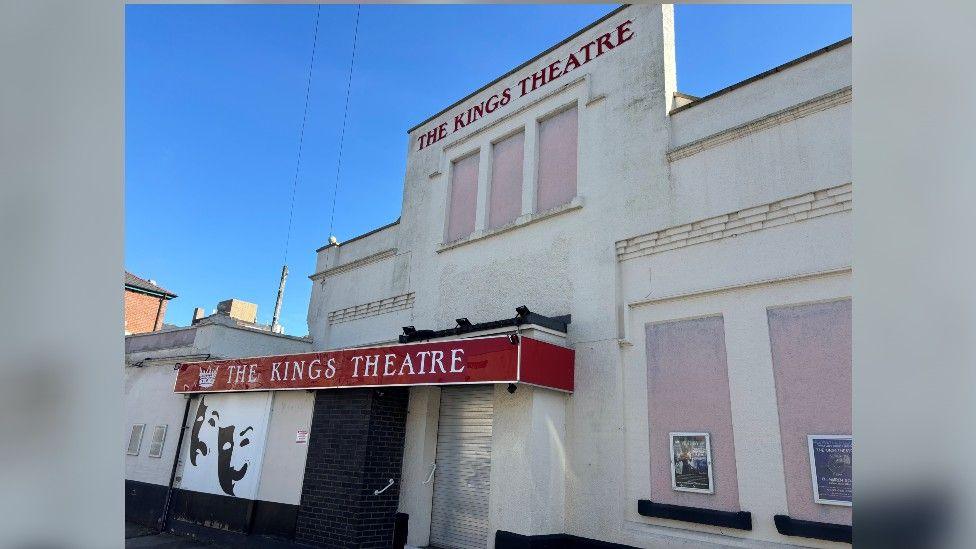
(474, 360)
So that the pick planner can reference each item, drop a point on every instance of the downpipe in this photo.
(164, 518)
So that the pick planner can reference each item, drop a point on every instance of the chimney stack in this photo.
(198, 313)
(239, 310)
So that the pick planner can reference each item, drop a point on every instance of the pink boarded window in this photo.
(688, 391)
(464, 198)
(811, 348)
(558, 137)
(506, 180)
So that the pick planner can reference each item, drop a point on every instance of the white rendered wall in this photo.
(284, 459)
(148, 390)
(759, 460)
(528, 462)
(148, 398)
(556, 265)
(419, 453)
(812, 78)
(804, 155)
(566, 263)
(362, 271)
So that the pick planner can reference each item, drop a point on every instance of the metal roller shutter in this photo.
(459, 515)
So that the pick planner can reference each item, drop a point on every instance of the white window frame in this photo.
(142, 431)
(708, 459)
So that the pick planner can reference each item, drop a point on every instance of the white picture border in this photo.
(813, 467)
(708, 458)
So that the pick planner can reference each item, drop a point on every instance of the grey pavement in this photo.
(137, 536)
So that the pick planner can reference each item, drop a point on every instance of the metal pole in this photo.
(281, 290)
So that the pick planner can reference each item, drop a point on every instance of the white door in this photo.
(459, 515)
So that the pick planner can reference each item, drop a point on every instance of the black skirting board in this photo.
(740, 520)
(789, 526)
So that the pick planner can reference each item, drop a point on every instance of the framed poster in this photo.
(691, 463)
(831, 457)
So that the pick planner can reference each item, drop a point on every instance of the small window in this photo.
(135, 439)
(156, 446)
(505, 200)
(464, 198)
(558, 139)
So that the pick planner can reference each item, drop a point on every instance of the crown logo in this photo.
(208, 376)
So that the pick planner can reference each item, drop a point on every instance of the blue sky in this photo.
(214, 100)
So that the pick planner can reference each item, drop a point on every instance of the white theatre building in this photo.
(693, 255)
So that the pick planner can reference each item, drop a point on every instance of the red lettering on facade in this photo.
(586, 49)
(523, 82)
(554, 71)
(621, 34)
(506, 97)
(623, 28)
(571, 63)
(538, 79)
(601, 42)
(477, 360)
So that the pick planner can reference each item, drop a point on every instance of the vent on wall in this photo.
(156, 446)
(135, 439)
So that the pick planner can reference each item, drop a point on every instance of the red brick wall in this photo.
(143, 312)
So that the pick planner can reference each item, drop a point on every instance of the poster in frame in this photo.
(831, 459)
(691, 462)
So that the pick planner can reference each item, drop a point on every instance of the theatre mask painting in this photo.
(226, 444)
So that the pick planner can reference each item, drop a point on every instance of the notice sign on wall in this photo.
(301, 436)
(831, 459)
(691, 463)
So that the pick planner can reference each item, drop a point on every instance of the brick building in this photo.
(145, 304)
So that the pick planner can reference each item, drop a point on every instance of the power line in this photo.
(345, 113)
(301, 132)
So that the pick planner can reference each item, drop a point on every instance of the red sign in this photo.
(474, 360)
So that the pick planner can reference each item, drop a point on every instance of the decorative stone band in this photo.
(790, 210)
(788, 114)
(373, 308)
(379, 256)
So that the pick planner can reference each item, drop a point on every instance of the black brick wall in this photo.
(355, 447)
